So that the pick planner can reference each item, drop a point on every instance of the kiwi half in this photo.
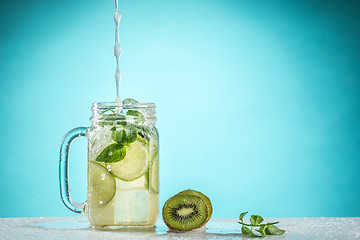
(203, 197)
(184, 212)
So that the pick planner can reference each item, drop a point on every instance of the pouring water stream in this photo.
(117, 54)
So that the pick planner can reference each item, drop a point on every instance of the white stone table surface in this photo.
(227, 228)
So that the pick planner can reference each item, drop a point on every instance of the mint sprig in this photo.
(257, 225)
(124, 131)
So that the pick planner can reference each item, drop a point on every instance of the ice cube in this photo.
(129, 102)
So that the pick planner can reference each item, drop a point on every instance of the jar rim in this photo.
(117, 113)
(132, 105)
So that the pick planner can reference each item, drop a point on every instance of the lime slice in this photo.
(142, 140)
(135, 163)
(154, 175)
(101, 185)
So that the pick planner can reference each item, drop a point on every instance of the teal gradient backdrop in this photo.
(258, 102)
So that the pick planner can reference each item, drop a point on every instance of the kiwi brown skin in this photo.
(203, 197)
(181, 230)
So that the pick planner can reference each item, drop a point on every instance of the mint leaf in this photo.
(118, 155)
(119, 136)
(124, 135)
(256, 220)
(262, 230)
(112, 119)
(245, 230)
(131, 135)
(242, 216)
(254, 235)
(112, 153)
(143, 131)
(138, 115)
(272, 230)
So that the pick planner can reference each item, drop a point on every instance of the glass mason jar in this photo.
(123, 165)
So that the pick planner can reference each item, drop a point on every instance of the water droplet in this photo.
(108, 167)
(117, 16)
(103, 176)
(117, 51)
(117, 74)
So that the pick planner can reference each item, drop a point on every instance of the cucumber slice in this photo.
(135, 163)
(102, 185)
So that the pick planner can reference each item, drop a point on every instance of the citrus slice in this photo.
(154, 175)
(101, 185)
(135, 163)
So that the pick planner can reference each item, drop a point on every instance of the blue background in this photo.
(258, 102)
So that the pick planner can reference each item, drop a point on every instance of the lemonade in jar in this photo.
(123, 165)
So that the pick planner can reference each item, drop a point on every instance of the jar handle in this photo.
(64, 170)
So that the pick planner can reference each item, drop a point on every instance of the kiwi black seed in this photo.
(184, 212)
(203, 197)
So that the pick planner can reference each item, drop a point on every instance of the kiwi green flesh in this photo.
(184, 212)
(203, 197)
